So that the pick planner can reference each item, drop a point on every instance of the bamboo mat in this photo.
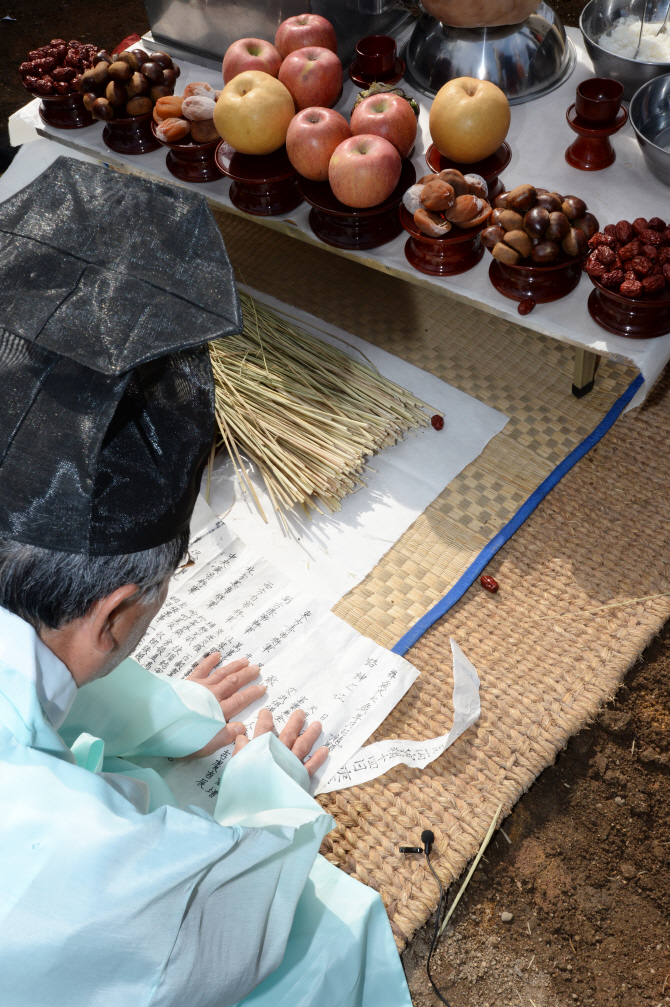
(545, 664)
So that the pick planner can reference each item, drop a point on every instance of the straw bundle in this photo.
(306, 413)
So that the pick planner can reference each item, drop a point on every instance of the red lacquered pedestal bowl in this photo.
(352, 227)
(536, 283)
(189, 161)
(263, 184)
(489, 168)
(636, 317)
(456, 252)
(64, 111)
(592, 150)
(131, 135)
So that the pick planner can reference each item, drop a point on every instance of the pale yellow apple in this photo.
(469, 119)
(253, 112)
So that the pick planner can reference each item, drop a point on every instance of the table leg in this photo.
(586, 364)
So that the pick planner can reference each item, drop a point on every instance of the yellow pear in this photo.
(253, 112)
(469, 119)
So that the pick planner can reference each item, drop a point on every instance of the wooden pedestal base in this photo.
(350, 227)
(457, 252)
(263, 184)
(537, 283)
(489, 168)
(64, 111)
(635, 317)
(592, 150)
(130, 136)
(191, 162)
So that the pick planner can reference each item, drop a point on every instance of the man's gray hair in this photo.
(49, 589)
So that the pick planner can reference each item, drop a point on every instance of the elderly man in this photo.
(110, 891)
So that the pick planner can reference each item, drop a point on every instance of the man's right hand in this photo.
(299, 744)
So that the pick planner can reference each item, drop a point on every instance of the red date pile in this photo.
(631, 259)
(56, 68)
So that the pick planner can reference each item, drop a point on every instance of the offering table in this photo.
(538, 138)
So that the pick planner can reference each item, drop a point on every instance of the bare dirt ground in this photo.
(583, 868)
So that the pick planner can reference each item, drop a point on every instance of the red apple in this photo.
(364, 170)
(250, 54)
(313, 76)
(386, 115)
(304, 30)
(312, 136)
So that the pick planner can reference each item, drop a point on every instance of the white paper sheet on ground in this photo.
(328, 555)
(377, 758)
(235, 601)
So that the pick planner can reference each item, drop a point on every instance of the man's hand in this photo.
(227, 685)
(299, 744)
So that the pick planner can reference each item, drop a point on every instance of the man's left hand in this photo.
(228, 686)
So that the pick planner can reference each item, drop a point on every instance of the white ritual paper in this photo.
(234, 601)
(377, 758)
(329, 555)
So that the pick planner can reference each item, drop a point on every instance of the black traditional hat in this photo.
(110, 288)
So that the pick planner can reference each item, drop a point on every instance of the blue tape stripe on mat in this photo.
(513, 525)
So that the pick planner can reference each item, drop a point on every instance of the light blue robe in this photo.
(112, 895)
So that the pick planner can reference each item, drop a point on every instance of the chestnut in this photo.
(503, 253)
(116, 93)
(176, 69)
(160, 91)
(101, 74)
(536, 221)
(588, 224)
(169, 78)
(153, 72)
(519, 241)
(101, 109)
(559, 225)
(521, 198)
(139, 105)
(575, 243)
(510, 220)
(573, 207)
(545, 251)
(102, 57)
(89, 100)
(550, 201)
(162, 58)
(131, 59)
(491, 235)
(495, 216)
(120, 71)
(86, 81)
(138, 85)
(141, 55)
(500, 202)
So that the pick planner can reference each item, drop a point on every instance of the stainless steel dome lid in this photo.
(525, 60)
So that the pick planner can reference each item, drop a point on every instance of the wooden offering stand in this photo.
(352, 227)
(64, 111)
(189, 161)
(489, 168)
(132, 135)
(456, 252)
(536, 283)
(592, 150)
(636, 317)
(595, 116)
(263, 184)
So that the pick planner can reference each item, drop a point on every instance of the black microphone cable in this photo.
(428, 838)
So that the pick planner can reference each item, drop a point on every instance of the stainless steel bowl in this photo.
(525, 60)
(650, 116)
(597, 17)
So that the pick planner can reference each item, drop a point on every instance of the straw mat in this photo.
(545, 660)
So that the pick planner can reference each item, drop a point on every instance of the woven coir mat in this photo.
(546, 661)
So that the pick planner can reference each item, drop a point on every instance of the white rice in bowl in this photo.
(623, 37)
